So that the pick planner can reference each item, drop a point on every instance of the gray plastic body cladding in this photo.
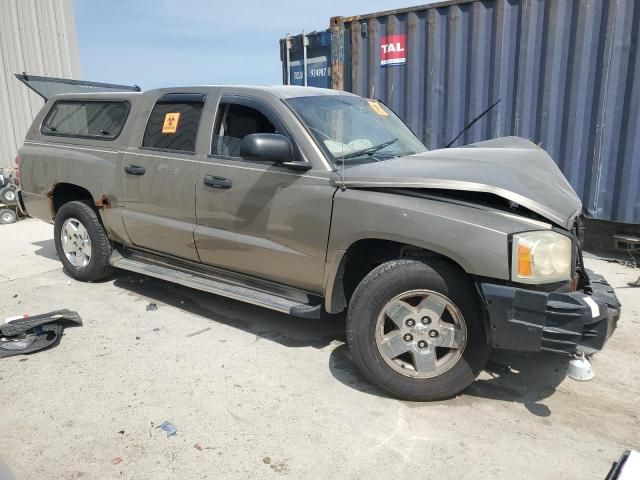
(530, 321)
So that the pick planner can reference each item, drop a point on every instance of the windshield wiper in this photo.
(368, 150)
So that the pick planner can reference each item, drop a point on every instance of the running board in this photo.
(225, 284)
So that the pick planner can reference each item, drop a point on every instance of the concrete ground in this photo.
(264, 395)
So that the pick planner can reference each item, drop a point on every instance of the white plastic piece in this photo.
(580, 368)
(17, 317)
(595, 310)
(631, 468)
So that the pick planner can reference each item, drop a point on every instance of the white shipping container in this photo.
(37, 37)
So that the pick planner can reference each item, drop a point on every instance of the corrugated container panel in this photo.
(566, 71)
(318, 64)
(37, 37)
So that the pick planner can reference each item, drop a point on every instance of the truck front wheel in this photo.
(81, 242)
(416, 329)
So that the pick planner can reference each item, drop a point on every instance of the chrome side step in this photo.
(225, 284)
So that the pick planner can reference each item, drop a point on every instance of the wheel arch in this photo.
(349, 266)
(64, 192)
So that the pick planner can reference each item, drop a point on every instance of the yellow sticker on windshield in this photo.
(170, 124)
(375, 106)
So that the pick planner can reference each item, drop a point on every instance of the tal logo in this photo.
(393, 50)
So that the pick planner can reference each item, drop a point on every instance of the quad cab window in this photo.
(173, 123)
(234, 122)
(86, 119)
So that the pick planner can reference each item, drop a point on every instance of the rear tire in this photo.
(81, 242)
(418, 354)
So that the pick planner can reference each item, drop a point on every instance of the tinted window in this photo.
(86, 119)
(173, 126)
(234, 122)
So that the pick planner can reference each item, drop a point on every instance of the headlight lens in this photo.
(541, 257)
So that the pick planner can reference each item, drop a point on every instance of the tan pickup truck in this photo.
(306, 200)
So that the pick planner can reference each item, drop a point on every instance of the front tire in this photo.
(81, 242)
(416, 329)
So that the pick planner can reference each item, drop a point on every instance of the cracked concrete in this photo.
(290, 404)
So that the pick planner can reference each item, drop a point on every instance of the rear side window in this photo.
(173, 123)
(102, 120)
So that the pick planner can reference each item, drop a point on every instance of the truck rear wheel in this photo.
(416, 329)
(81, 242)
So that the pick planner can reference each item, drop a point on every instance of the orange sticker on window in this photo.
(170, 124)
(375, 106)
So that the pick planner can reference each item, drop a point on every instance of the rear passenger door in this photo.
(159, 177)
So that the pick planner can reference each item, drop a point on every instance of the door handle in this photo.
(217, 182)
(134, 170)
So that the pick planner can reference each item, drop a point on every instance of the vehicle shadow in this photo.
(527, 379)
(46, 249)
(263, 323)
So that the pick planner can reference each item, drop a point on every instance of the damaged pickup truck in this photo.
(306, 200)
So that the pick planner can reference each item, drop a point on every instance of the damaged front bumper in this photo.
(532, 321)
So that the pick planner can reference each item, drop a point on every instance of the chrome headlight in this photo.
(540, 257)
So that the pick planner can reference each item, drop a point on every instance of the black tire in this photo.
(7, 216)
(8, 195)
(98, 266)
(394, 278)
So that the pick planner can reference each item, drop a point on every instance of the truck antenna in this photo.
(469, 125)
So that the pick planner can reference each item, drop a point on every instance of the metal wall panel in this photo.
(37, 37)
(317, 67)
(567, 72)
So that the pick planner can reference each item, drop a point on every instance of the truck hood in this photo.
(511, 167)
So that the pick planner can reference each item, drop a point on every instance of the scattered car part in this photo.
(8, 195)
(4, 179)
(30, 334)
(627, 243)
(168, 427)
(626, 468)
(7, 216)
(580, 368)
(198, 332)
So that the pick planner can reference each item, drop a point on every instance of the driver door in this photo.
(260, 218)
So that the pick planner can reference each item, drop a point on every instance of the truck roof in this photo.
(279, 91)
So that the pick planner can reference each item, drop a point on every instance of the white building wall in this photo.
(37, 37)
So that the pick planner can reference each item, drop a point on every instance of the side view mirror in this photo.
(270, 147)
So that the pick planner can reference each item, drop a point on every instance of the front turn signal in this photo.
(524, 261)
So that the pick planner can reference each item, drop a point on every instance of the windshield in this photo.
(355, 129)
